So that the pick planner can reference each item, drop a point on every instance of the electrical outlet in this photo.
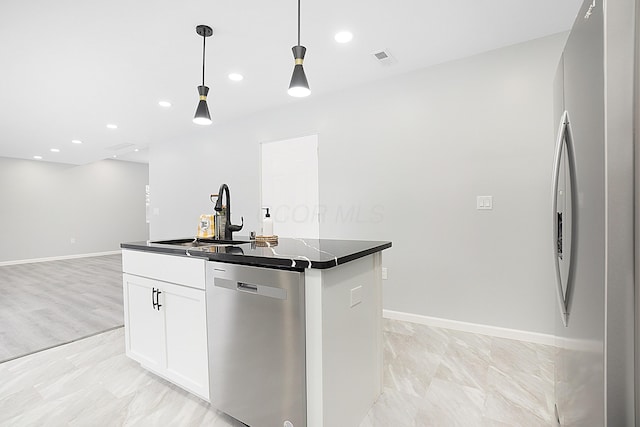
(384, 273)
(484, 202)
(356, 296)
(72, 240)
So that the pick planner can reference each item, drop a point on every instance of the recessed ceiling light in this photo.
(136, 150)
(37, 157)
(236, 77)
(343, 37)
(165, 104)
(55, 150)
(112, 126)
(114, 156)
(76, 141)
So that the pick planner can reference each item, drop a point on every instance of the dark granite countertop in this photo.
(288, 253)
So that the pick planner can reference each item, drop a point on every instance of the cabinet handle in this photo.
(158, 305)
(153, 298)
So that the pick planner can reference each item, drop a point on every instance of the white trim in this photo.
(58, 258)
(494, 331)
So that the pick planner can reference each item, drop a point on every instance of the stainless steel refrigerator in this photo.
(593, 217)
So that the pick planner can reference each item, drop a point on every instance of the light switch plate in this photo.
(384, 273)
(484, 202)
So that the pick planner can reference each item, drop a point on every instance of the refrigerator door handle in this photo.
(565, 137)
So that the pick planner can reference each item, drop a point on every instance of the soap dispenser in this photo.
(267, 224)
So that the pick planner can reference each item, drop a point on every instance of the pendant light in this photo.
(202, 116)
(299, 87)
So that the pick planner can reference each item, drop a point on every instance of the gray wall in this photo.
(403, 160)
(43, 205)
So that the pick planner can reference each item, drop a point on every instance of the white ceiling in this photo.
(69, 67)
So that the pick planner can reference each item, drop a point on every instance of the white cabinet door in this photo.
(186, 337)
(143, 323)
(170, 337)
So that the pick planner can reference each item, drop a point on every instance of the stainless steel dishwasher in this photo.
(256, 332)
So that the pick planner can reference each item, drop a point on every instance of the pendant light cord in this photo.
(298, 22)
(204, 41)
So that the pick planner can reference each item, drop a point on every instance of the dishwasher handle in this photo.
(246, 287)
(249, 288)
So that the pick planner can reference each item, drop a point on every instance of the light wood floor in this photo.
(433, 377)
(46, 304)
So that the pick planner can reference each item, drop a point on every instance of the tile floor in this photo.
(433, 377)
(441, 377)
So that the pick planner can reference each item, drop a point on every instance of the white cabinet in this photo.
(143, 322)
(165, 323)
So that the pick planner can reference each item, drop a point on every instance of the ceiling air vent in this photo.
(383, 57)
(119, 147)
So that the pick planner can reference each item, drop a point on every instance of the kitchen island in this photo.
(180, 313)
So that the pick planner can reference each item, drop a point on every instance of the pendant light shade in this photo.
(299, 86)
(202, 116)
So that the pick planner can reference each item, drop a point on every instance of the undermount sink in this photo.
(196, 243)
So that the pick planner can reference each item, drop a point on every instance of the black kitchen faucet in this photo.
(228, 227)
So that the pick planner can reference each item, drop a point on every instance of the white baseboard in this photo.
(494, 331)
(58, 258)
